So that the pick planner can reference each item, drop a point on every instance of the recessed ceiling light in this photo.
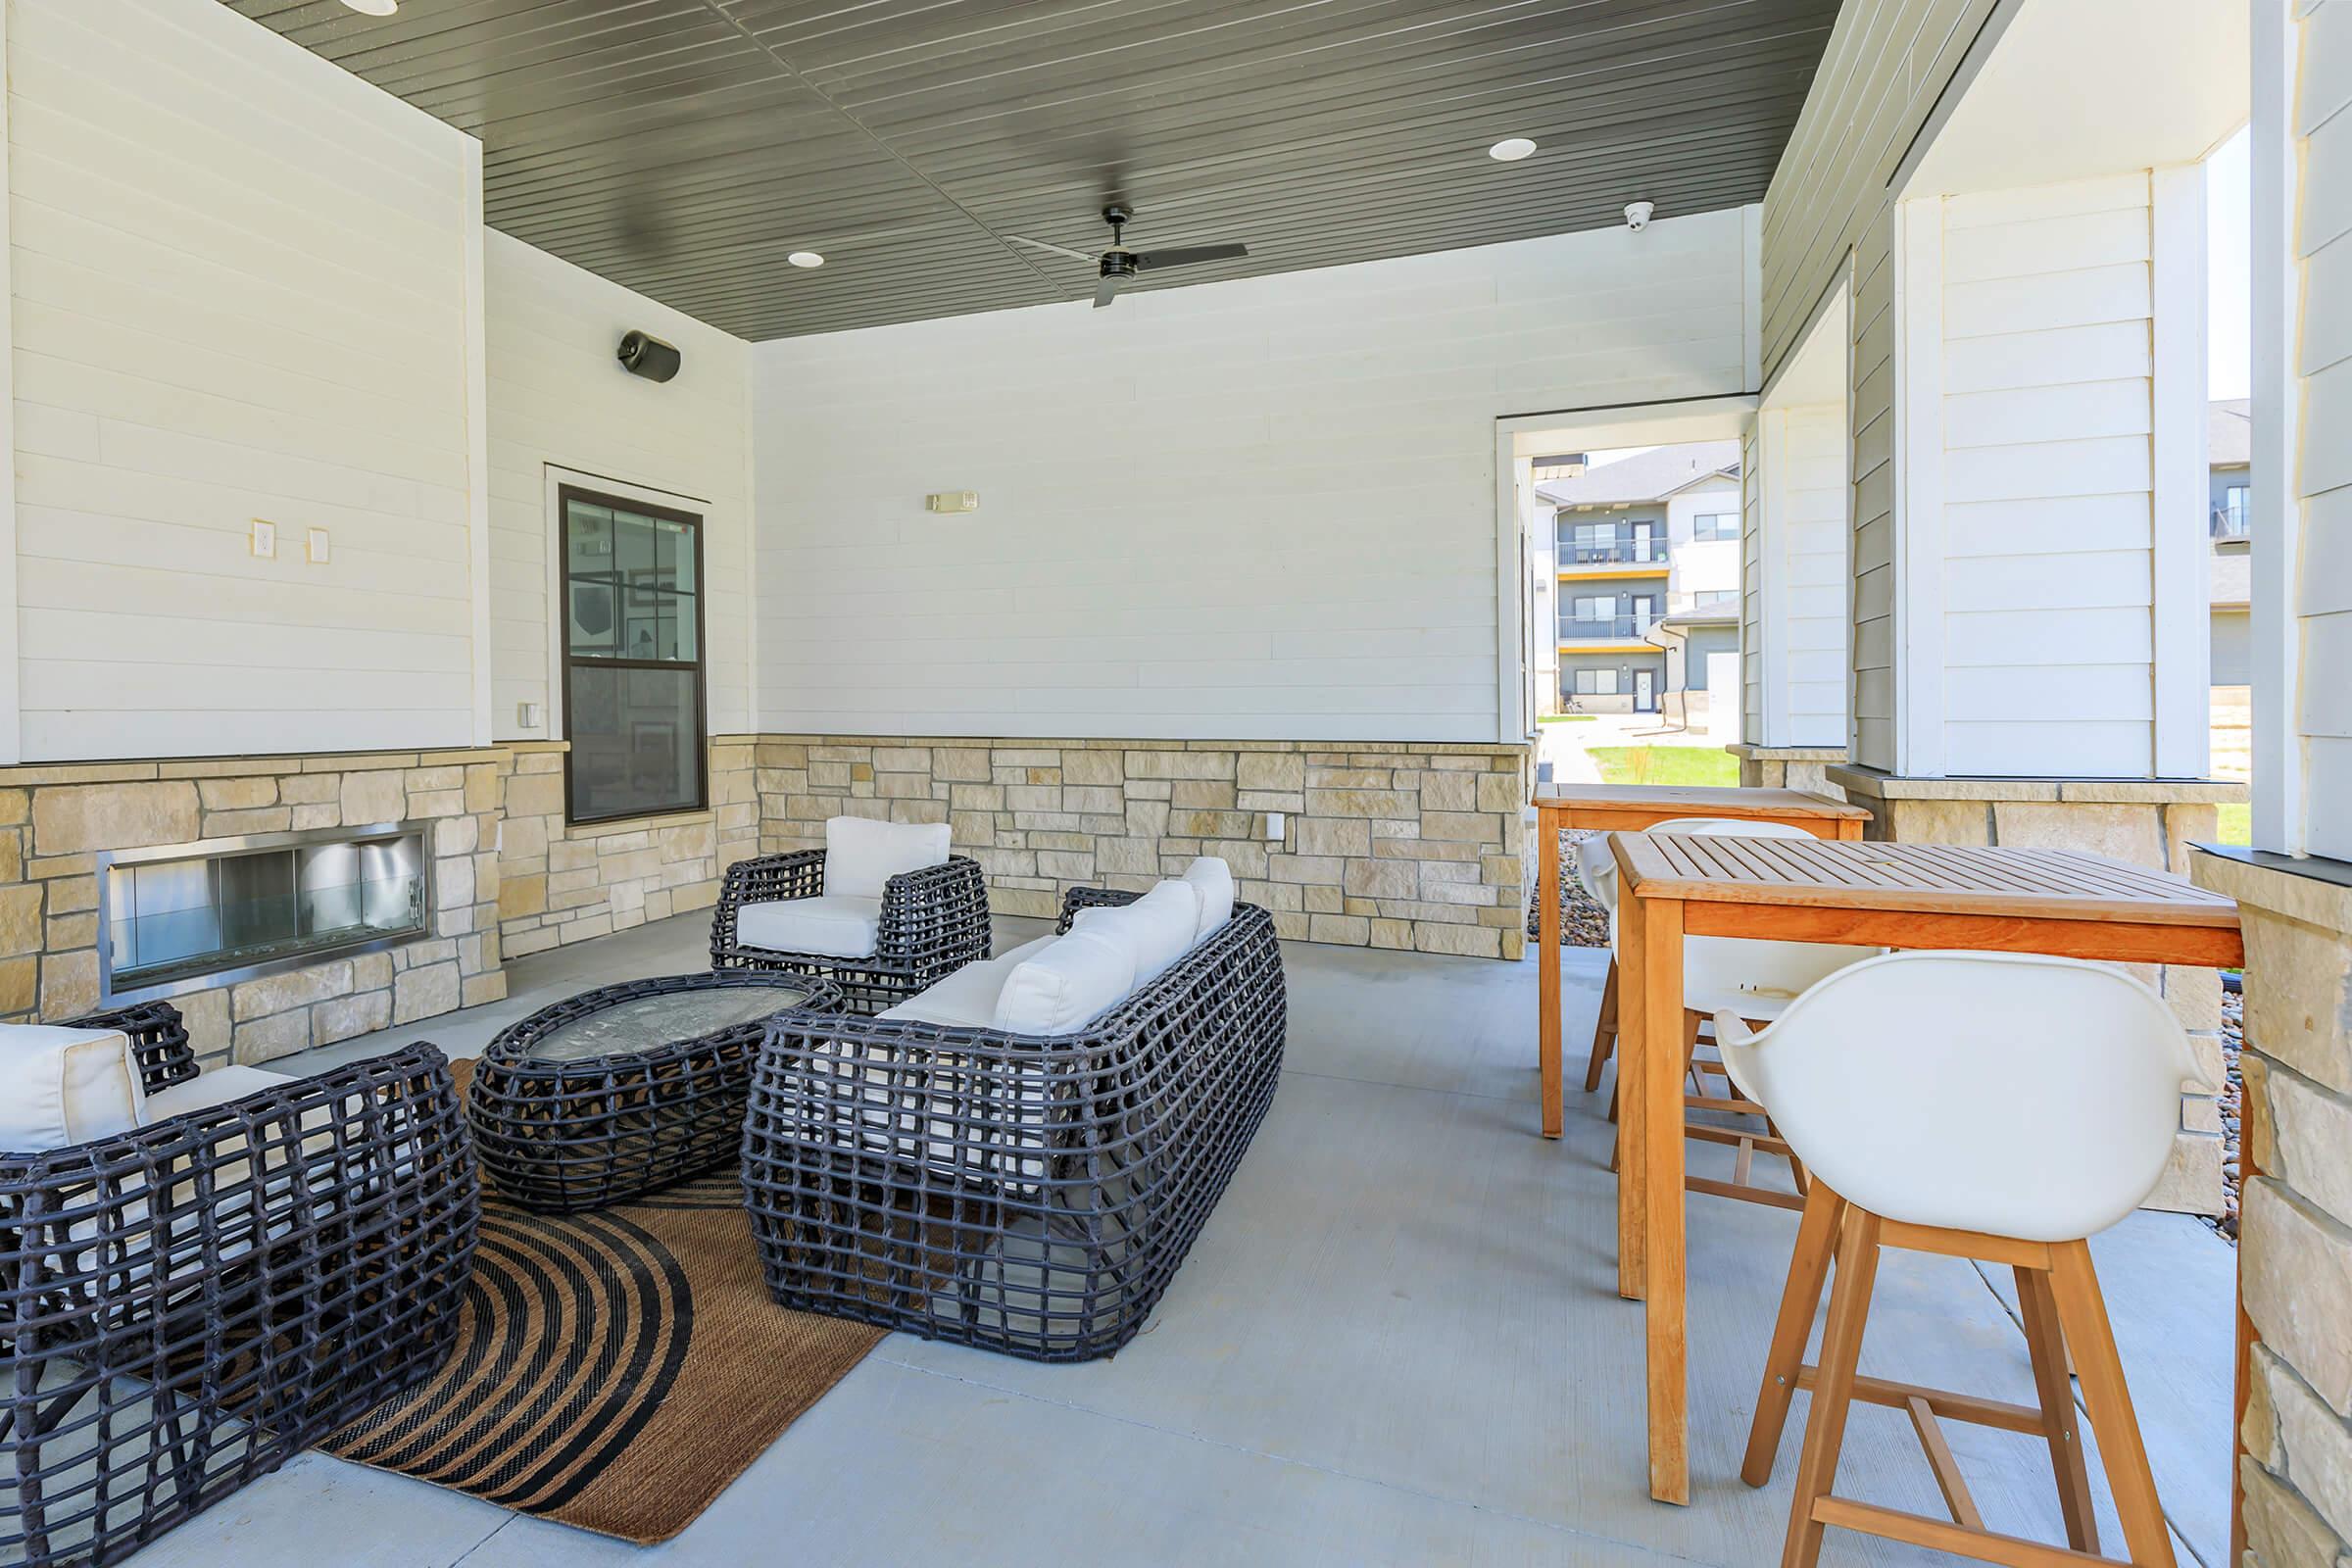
(805, 258)
(373, 8)
(1510, 149)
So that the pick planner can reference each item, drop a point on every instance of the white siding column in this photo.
(2302, 488)
(2042, 610)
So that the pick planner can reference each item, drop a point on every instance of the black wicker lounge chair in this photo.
(1029, 1196)
(931, 923)
(186, 1306)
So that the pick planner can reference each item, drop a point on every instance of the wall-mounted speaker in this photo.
(642, 354)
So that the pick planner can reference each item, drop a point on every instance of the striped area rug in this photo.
(613, 1370)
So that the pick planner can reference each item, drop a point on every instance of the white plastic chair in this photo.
(1985, 1105)
(1755, 979)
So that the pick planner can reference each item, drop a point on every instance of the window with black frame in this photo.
(632, 657)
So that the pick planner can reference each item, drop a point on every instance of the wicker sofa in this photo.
(919, 925)
(186, 1304)
(1032, 1196)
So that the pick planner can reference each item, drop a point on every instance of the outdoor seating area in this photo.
(1375, 782)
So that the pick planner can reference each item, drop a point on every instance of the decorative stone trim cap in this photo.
(1875, 784)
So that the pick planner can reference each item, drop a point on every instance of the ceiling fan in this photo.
(1119, 264)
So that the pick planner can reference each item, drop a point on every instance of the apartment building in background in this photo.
(1644, 577)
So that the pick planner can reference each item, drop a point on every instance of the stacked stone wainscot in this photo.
(1415, 847)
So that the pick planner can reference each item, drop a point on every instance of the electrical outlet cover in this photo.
(265, 538)
(316, 546)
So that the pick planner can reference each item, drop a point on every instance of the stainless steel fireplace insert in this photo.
(219, 910)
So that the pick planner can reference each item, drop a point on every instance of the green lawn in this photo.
(1563, 719)
(1665, 765)
(2237, 824)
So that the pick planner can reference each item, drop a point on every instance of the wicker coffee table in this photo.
(626, 1088)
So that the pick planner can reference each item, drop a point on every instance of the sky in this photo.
(2229, 277)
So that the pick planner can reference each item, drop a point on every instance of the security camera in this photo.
(1636, 214)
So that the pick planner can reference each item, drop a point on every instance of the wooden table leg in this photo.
(1633, 1058)
(1660, 1110)
(1548, 984)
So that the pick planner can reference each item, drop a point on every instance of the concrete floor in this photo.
(1396, 1341)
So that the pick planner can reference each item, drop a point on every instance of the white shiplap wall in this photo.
(557, 397)
(2047, 567)
(2322, 327)
(1751, 583)
(1811, 564)
(238, 291)
(2048, 485)
(1871, 505)
(1886, 66)
(1263, 509)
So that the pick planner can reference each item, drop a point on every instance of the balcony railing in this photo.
(2231, 522)
(1616, 553)
(1615, 627)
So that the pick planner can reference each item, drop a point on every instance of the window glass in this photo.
(633, 669)
(1712, 525)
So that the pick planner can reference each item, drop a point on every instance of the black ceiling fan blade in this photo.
(1187, 255)
(1106, 291)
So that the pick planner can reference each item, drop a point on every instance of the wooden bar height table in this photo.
(1628, 809)
(1670, 886)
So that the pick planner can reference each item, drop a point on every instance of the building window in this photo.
(1715, 596)
(1595, 682)
(1712, 525)
(2229, 519)
(633, 700)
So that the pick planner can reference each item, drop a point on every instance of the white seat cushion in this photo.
(1065, 985)
(59, 1086)
(860, 854)
(242, 1194)
(837, 925)
(215, 1086)
(1212, 879)
(966, 998)
(1158, 928)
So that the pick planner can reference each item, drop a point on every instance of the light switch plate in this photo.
(265, 539)
(315, 545)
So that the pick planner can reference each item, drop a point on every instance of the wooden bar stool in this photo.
(1983, 1106)
(1754, 980)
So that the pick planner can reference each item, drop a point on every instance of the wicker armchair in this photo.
(1028, 1195)
(185, 1306)
(933, 922)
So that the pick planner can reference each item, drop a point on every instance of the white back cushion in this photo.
(967, 998)
(1159, 927)
(861, 854)
(1066, 985)
(1212, 879)
(60, 1087)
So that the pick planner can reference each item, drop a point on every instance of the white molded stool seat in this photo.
(1998, 1092)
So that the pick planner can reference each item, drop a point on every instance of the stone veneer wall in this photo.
(2151, 825)
(561, 883)
(54, 819)
(2295, 1222)
(1792, 767)
(1418, 847)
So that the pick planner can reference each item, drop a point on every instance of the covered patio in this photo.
(1400, 1343)
(770, 781)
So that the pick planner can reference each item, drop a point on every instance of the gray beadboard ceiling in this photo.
(683, 147)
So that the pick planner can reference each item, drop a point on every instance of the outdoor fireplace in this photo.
(233, 909)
